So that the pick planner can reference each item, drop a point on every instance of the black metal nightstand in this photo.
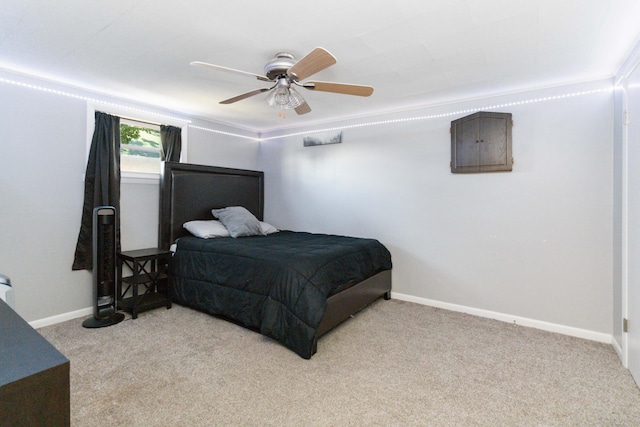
(149, 269)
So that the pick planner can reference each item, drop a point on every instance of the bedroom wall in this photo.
(44, 144)
(533, 244)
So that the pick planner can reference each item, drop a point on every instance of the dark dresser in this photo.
(34, 376)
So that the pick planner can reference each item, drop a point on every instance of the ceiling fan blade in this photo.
(346, 89)
(244, 96)
(303, 108)
(317, 60)
(230, 70)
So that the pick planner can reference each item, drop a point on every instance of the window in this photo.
(140, 147)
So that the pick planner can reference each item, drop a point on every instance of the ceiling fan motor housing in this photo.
(279, 65)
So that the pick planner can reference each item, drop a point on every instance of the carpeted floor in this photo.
(394, 364)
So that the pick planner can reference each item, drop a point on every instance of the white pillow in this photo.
(268, 228)
(239, 221)
(206, 229)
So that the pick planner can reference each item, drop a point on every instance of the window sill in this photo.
(139, 178)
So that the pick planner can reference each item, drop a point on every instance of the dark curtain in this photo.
(101, 185)
(171, 138)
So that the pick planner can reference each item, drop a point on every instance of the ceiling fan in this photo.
(285, 73)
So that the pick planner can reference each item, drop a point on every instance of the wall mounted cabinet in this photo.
(481, 142)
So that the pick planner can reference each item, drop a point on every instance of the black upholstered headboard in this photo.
(189, 192)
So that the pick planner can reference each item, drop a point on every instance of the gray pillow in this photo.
(239, 221)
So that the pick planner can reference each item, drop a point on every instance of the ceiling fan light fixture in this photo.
(284, 97)
(295, 99)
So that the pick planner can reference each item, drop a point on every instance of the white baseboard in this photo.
(517, 320)
(41, 323)
(618, 348)
(523, 321)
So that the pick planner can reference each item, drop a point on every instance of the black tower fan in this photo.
(104, 269)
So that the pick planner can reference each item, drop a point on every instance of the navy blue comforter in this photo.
(276, 284)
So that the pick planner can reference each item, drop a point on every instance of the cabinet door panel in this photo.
(493, 141)
(467, 149)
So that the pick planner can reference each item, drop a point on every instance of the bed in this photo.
(291, 286)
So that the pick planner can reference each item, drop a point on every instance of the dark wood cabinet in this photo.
(148, 267)
(481, 142)
(34, 376)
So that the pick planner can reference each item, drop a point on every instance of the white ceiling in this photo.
(413, 52)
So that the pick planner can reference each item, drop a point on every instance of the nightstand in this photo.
(149, 270)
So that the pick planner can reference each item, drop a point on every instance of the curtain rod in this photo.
(136, 119)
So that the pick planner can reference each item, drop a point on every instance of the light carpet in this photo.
(394, 364)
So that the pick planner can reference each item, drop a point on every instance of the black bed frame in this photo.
(189, 192)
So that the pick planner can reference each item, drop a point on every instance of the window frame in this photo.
(140, 116)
